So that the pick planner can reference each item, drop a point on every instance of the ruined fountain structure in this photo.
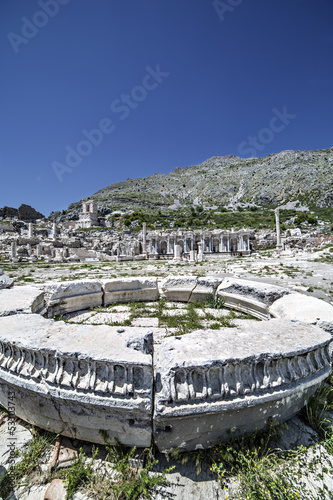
(185, 392)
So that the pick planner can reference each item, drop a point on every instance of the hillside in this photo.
(306, 176)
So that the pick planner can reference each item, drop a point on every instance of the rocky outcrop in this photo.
(27, 213)
(24, 212)
(306, 176)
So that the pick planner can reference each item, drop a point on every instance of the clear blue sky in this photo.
(168, 83)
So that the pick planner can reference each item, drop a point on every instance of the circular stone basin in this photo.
(184, 392)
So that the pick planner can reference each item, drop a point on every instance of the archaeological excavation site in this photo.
(121, 330)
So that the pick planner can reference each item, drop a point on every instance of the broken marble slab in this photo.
(209, 382)
(204, 289)
(5, 281)
(302, 307)
(130, 289)
(69, 296)
(178, 288)
(258, 291)
(21, 300)
(79, 380)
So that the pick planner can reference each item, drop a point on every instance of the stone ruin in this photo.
(186, 392)
(80, 240)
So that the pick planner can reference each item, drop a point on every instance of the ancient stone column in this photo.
(38, 251)
(13, 250)
(29, 249)
(30, 230)
(54, 230)
(278, 233)
(200, 251)
(177, 252)
(144, 237)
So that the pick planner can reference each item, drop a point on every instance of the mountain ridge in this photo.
(228, 181)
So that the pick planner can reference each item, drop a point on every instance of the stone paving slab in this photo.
(21, 300)
(145, 322)
(107, 318)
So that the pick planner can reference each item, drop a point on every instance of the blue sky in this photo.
(95, 91)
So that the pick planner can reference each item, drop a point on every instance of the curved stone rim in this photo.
(155, 400)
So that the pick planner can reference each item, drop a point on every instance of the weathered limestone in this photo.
(177, 256)
(301, 307)
(205, 288)
(21, 300)
(200, 252)
(208, 382)
(68, 381)
(72, 296)
(13, 253)
(5, 281)
(77, 379)
(263, 292)
(278, 232)
(193, 256)
(250, 297)
(129, 289)
(176, 288)
(144, 237)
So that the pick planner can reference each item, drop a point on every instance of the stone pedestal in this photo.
(193, 256)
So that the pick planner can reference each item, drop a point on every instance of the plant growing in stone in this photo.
(29, 460)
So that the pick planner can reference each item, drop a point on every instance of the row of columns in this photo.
(224, 244)
(31, 233)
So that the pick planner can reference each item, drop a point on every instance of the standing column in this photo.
(192, 243)
(168, 245)
(177, 253)
(144, 237)
(240, 242)
(210, 243)
(278, 233)
(37, 251)
(30, 231)
(13, 250)
(228, 244)
(54, 231)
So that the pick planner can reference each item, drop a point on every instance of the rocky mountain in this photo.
(24, 212)
(306, 176)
